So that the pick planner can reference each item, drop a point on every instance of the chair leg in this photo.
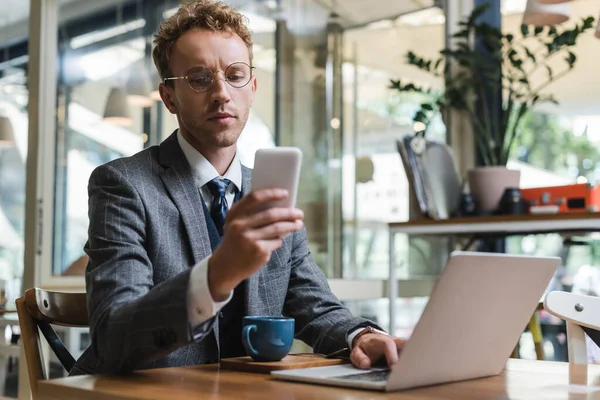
(536, 331)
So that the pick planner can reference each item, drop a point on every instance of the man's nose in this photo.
(220, 89)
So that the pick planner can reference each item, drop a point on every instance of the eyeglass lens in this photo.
(237, 75)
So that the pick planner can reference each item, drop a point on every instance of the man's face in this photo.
(213, 119)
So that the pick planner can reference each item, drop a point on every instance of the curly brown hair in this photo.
(202, 14)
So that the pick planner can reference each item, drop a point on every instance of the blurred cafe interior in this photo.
(404, 146)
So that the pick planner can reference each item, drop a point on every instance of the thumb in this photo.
(359, 358)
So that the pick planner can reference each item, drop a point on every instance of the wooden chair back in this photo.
(41, 309)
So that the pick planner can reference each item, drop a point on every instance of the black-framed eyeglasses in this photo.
(200, 79)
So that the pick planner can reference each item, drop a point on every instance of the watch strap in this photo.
(366, 330)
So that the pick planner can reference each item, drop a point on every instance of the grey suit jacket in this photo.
(147, 229)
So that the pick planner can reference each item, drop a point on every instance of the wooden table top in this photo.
(522, 379)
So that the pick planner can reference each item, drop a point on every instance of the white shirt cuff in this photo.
(352, 335)
(355, 332)
(200, 304)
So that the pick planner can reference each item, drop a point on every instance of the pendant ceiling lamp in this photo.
(139, 84)
(155, 94)
(117, 110)
(539, 14)
(139, 88)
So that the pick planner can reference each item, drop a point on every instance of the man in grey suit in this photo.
(169, 277)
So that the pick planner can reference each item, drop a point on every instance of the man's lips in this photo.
(222, 118)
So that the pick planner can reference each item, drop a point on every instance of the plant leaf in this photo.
(588, 23)
(420, 116)
(571, 58)
(461, 34)
(477, 12)
(530, 54)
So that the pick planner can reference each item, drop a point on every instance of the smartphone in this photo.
(279, 168)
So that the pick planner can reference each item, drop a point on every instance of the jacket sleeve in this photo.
(322, 321)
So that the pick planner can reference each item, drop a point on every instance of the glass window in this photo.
(375, 190)
(259, 132)
(14, 127)
(567, 151)
(13, 157)
(98, 121)
(560, 144)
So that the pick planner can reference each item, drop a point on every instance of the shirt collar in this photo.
(204, 171)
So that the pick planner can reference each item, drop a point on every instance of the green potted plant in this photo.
(508, 66)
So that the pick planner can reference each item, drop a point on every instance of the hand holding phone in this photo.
(253, 229)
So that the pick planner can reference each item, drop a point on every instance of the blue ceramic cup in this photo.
(267, 338)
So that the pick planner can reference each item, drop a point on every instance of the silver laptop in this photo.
(478, 309)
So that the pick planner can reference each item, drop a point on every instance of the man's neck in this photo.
(220, 157)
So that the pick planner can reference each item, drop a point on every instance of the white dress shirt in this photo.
(200, 304)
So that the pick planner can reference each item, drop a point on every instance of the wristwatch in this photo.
(366, 330)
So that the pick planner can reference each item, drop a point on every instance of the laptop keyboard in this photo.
(373, 376)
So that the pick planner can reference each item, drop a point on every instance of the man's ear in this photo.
(166, 94)
(254, 86)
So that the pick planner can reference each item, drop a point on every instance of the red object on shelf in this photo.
(579, 197)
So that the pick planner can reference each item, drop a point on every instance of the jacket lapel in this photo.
(179, 182)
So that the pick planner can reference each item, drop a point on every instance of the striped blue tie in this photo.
(219, 207)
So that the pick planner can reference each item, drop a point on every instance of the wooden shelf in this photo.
(501, 224)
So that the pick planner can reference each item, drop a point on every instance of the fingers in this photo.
(270, 224)
(359, 358)
(391, 351)
(255, 199)
(271, 245)
(276, 230)
(262, 249)
(272, 215)
(251, 236)
(374, 348)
